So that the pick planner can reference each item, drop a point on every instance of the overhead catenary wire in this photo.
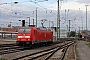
(26, 14)
(16, 12)
(43, 7)
(38, 5)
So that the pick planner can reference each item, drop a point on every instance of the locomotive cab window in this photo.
(24, 30)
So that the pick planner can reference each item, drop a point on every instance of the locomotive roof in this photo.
(41, 28)
(44, 29)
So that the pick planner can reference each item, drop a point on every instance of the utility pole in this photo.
(52, 24)
(86, 15)
(58, 21)
(82, 23)
(29, 20)
(36, 17)
(65, 14)
(36, 1)
(33, 21)
(69, 28)
(69, 25)
(49, 23)
(79, 32)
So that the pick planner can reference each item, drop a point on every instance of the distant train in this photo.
(33, 35)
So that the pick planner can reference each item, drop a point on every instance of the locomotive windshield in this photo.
(24, 30)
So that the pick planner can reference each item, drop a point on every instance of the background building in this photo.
(63, 33)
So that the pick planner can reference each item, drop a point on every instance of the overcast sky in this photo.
(75, 11)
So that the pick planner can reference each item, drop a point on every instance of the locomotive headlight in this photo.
(19, 36)
(27, 36)
(23, 36)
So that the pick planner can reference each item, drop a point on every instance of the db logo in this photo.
(23, 36)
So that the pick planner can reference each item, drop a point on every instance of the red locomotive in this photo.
(33, 35)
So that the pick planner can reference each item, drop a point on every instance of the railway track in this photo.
(6, 45)
(9, 48)
(13, 48)
(47, 54)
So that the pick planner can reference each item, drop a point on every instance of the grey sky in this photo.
(84, 1)
(21, 11)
